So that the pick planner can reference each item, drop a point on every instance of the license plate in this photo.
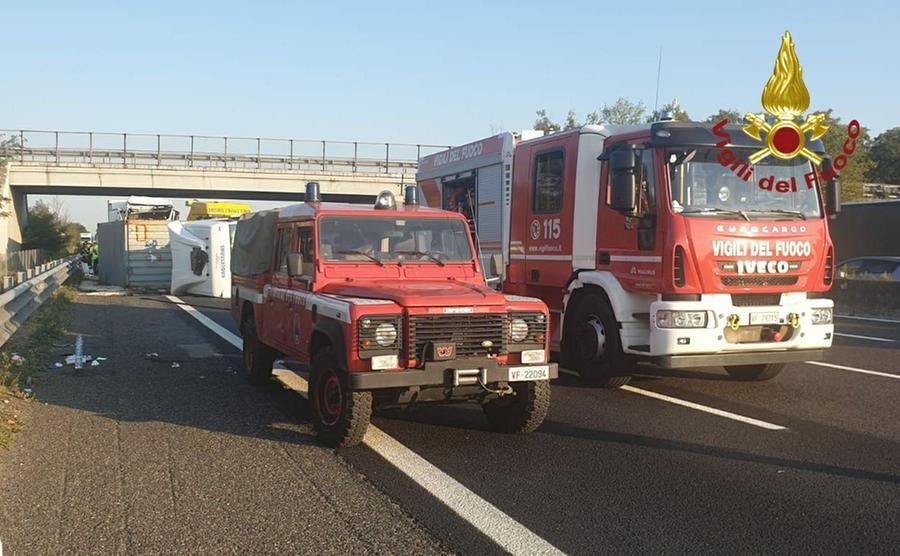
(763, 318)
(537, 372)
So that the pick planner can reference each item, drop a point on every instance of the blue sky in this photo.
(421, 72)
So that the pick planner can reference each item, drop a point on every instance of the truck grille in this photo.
(760, 280)
(755, 299)
(468, 332)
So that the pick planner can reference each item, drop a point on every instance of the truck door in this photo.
(300, 319)
(548, 235)
(277, 305)
(630, 246)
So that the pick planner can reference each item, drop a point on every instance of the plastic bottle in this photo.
(79, 352)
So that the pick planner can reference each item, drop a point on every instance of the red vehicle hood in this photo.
(419, 293)
(748, 247)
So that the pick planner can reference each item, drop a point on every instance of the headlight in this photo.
(518, 330)
(385, 334)
(681, 319)
(822, 316)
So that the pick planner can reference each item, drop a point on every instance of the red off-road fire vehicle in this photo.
(387, 306)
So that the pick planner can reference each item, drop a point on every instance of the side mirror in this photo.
(497, 265)
(295, 264)
(623, 194)
(832, 189)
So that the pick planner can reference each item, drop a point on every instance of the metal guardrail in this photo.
(208, 151)
(25, 291)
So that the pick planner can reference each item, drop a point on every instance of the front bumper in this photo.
(438, 373)
(740, 358)
(670, 345)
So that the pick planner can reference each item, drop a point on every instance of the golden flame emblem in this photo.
(785, 97)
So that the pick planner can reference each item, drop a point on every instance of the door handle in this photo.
(602, 257)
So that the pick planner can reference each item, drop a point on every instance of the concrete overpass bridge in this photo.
(201, 166)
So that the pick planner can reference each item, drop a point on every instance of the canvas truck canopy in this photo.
(251, 252)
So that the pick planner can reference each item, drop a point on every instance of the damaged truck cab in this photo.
(385, 306)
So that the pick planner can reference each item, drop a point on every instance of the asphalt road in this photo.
(157, 458)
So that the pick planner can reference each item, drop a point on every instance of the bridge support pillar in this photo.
(13, 213)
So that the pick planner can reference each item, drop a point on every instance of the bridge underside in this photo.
(22, 179)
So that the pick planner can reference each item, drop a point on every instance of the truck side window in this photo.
(305, 248)
(548, 182)
(646, 181)
(284, 247)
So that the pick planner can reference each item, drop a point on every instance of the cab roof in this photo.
(311, 210)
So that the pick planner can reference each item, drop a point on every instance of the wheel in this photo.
(522, 411)
(258, 357)
(340, 416)
(593, 344)
(761, 371)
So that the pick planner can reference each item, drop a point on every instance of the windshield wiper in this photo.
(434, 258)
(364, 254)
(782, 211)
(718, 210)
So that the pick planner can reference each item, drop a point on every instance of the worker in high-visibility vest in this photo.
(95, 257)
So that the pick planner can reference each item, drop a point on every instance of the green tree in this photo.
(571, 122)
(45, 230)
(734, 117)
(675, 111)
(544, 123)
(885, 155)
(73, 231)
(623, 111)
(853, 175)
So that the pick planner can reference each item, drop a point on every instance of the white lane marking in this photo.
(873, 338)
(223, 332)
(873, 319)
(711, 410)
(511, 535)
(853, 369)
(706, 409)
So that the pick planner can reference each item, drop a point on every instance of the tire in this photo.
(598, 362)
(258, 357)
(340, 416)
(524, 411)
(755, 372)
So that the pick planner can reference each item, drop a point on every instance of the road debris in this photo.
(79, 352)
(175, 364)
(17, 359)
(55, 365)
(152, 355)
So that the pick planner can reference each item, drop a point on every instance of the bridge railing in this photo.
(208, 151)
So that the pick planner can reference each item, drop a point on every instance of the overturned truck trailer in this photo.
(201, 257)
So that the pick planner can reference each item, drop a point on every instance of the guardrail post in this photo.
(56, 134)
(90, 147)
(323, 156)
(191, 160)
(125, 150)
(21, 145)
(291, 164)
(418, 153)
(158, 152)
(387, 157)
(258, 153)
(355, 154)
(225, 154)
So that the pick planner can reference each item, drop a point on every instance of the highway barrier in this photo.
(25, 291)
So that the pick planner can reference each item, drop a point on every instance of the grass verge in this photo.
(27, 354)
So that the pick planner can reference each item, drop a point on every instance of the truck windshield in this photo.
(394, 240)
(700, 186)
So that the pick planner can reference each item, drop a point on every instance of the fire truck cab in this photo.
(386, 306)
(651, 246)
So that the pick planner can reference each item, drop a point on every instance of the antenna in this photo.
(658, 73)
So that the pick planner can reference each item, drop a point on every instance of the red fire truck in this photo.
(385, 306)
(651, 246)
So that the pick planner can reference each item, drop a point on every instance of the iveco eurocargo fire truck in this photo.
(650, 246)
